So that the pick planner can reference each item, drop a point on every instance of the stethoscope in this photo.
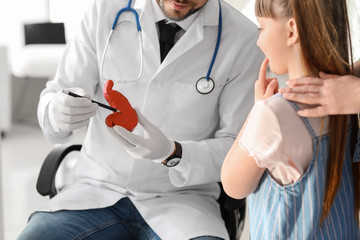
(204, 85)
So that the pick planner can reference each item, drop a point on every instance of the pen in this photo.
(100, 104)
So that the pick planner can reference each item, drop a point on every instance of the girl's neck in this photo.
(295, 67)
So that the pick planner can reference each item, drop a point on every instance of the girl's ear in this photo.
(293, 35)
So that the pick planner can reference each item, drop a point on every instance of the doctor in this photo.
(159, 181)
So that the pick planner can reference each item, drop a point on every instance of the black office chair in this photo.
(232, 210)
(44, 33)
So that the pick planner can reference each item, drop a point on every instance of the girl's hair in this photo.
(325, 44)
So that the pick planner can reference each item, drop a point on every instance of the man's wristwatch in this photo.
(174, 159)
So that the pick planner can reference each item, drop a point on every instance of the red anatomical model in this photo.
(127, 118)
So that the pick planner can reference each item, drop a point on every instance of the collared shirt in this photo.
(184, 24)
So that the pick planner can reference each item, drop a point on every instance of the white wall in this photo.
(354, 18)
(13, 13)
(70, 12)
(246, 7)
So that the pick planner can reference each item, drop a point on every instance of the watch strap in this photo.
(169, 162)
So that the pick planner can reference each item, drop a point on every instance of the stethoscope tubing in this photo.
(205, 85)
(127, 9)
(218, 40)
(140, 40)
(138, 26)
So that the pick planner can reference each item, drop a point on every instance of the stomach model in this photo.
(127, 117)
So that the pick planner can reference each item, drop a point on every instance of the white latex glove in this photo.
(69, 113)
(157, 147)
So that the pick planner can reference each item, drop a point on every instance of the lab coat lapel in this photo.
(149, 31)
(208, 16)
(190, 39)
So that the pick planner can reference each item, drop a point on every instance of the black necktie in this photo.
(167, 35)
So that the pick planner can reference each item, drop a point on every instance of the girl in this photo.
(299, 172)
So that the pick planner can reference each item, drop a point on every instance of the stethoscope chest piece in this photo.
(205, 86)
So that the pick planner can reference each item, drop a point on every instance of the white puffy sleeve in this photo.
(278, 140)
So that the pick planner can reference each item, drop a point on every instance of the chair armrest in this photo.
(46, 181)
(233, 213)
(232, 203)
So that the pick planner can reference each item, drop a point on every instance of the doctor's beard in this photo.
(178, 17)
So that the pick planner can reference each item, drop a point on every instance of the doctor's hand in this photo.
(156, 147)
(265, 87)
(69, 113)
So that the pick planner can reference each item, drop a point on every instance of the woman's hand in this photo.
(331, 94)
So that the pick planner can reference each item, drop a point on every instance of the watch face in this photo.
(173, 162)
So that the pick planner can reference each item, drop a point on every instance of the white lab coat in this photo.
(179, 202)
